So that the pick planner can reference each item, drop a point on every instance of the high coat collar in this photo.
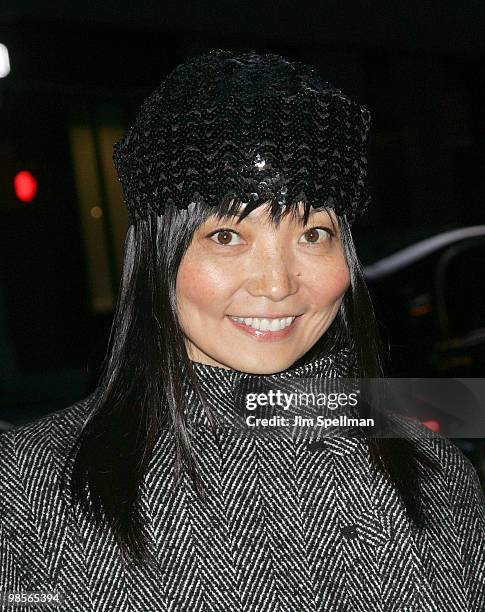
(222, 389)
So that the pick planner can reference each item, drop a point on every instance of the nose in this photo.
(273, 274)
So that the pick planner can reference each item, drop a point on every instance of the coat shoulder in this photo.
(443, 450)
(455, 468)
(55, 429)
(34, 453)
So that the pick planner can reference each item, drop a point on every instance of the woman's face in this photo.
(255, 298)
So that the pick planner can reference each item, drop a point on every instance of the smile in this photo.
(266, 329)
(265, 324)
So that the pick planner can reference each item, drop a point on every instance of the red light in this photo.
(432, 424)
(25, 186)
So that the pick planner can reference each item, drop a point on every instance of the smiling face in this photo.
(255, 297)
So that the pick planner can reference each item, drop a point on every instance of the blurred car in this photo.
(429, 299)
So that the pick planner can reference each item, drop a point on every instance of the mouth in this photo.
(266, 328)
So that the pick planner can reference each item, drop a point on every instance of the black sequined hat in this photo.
(256, 127)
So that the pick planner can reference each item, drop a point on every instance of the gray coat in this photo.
(287, 526)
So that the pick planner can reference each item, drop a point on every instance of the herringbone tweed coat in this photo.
(286, 526)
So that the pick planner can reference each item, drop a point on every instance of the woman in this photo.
(242, 175)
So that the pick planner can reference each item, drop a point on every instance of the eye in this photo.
(318, 235)
(223, 237)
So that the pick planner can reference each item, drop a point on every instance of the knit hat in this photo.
(249, 126)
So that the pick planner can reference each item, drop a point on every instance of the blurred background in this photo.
(72, 77)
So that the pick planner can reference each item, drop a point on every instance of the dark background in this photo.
(78, 75)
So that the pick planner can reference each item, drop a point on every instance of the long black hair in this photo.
(141, 386)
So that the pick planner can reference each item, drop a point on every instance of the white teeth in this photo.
(265, 324)
(275, 325)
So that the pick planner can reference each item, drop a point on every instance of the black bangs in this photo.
(230, 207)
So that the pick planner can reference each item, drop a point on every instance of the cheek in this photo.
(331, 283)
(201, 285)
